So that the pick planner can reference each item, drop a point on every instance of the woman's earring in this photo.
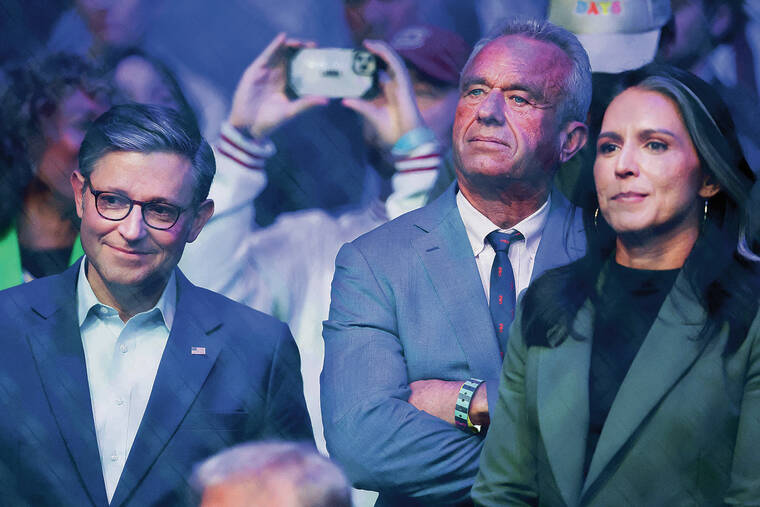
(704, 216)
(596, 217)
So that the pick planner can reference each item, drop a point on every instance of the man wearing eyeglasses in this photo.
(119, 374)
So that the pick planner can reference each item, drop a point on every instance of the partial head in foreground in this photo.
(271, 473)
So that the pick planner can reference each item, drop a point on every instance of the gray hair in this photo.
(316, 480)
(576, 88)
(148, 129)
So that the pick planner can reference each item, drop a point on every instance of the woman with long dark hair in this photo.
(633, 375)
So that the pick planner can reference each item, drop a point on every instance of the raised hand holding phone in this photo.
(260, 103)
(394, 111)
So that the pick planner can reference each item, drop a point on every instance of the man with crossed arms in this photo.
(410, 321)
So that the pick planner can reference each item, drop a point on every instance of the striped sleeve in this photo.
(245, 151)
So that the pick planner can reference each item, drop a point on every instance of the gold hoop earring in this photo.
(596, 217)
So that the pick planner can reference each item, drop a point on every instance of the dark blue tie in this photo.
(502, 299)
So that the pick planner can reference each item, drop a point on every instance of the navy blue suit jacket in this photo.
(246, 386)
(408, 304)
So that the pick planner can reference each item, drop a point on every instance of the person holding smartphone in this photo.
(268, 269)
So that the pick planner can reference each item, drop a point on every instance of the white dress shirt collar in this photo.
(122, 361)
(478, 226)
(86, 298)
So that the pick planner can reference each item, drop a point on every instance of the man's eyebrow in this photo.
(475, 80)
(120, 191)
(522, 87)
(162, 200)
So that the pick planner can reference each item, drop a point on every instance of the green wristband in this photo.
(462, 408)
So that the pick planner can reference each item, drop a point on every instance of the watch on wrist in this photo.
(462, 408)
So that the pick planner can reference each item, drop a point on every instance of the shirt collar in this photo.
(86, 298)
(478, 226)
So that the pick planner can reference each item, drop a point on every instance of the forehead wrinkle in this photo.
(473, 80)
(118, 172)
(556, 74)
(539, 67)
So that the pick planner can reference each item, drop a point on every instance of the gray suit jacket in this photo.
(684, 428)
(408, 304)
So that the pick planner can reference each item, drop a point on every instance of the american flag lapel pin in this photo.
(198, 351)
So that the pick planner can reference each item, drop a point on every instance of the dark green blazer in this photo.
(684, 428)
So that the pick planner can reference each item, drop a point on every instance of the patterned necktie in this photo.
(502, 299)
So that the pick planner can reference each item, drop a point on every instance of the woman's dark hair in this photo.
(34, 90)
(725, 282)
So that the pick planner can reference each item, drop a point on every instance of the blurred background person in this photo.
(269, 270)
(382, 19)
(379, 19)
(142, 78)
(104, 31)
(320, 162)
(46, 110)
(719, 41)
(260, 474)
(365, 19)
(646, 347)
(93, 28)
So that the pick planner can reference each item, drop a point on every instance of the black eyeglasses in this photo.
(115, 207)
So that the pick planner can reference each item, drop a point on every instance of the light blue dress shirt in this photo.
(122, 360)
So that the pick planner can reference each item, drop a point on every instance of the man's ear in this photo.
(574, 136)
(709, 187)
(205, 210)
(77, 183)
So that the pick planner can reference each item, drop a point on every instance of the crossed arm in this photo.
(371, 425)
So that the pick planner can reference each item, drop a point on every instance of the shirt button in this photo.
(120, 402)
(123, 348)
(114, 457)
(103, 310)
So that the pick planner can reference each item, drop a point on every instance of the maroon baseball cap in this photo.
(438, 53)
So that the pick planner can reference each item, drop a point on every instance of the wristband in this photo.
(462, 409)
(411, 140)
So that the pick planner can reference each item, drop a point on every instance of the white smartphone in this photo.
(332, 72)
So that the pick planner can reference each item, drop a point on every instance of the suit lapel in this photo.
(448, 259)
(562, 240)
(180, 377)
(668, 351)
(563, 405)
(57, 349)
